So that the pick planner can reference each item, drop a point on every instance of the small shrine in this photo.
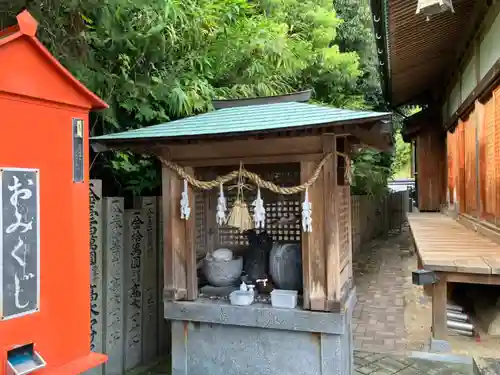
(258, 251)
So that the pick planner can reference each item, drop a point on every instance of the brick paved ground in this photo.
(378, 324)
(382, 364)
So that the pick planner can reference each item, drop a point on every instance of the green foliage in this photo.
(155, 61)
(401, 165)
(402, 154)
(355, 34)
(371, 170)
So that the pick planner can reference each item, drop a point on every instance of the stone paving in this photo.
(378, 318)
(382, 364)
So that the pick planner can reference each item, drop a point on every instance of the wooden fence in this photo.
(126, 315)
(374, 217)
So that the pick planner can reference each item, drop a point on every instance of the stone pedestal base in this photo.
(213, 337)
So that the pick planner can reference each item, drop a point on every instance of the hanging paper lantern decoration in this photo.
(432, 7)
(185, 209)
(221, 207)
(306, 213)
(259, 212)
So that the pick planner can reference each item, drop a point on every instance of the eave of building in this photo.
(416, 56)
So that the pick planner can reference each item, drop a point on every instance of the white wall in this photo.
(489, 49)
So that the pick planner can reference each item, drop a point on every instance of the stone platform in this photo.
(215, 337)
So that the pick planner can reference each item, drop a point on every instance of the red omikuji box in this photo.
(44, 222)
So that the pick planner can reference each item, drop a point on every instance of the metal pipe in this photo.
(453, 307)
(459, 325)
(463, 333)
(452, 315)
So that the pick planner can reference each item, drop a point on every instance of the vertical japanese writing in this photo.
(163, 326)
(150, 279)
(135, 241)
(113, 302)
(96, 276)
(19, 242)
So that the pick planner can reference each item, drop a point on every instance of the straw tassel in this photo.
(239, 216)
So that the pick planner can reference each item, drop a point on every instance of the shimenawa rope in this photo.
(256, 179)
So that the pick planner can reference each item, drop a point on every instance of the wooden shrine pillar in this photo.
(180, 281)
(320, 255)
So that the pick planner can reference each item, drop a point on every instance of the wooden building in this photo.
(447, 61)
(288, 144)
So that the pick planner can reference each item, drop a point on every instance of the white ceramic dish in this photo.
(285, 299)
(241, 298)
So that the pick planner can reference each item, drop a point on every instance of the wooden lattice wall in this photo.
(344, 199)
(277, 206)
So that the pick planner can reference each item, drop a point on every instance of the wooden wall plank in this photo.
(238, 150)
(331, 228)
(431, 165)
(174, 237)
(313, 250)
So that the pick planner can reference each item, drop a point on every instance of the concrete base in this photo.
(213, 337)
(439, 346)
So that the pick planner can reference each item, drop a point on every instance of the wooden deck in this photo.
(457, 254)
(445, 245)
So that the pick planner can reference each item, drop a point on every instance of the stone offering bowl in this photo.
(222, 272)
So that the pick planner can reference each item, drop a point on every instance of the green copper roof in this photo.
(251, 118)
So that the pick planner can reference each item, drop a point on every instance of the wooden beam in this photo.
(271, 159)
(313, 250)
(331, 227)
(174, 234)
(239, 149)
(473, 278)
(439, 300)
